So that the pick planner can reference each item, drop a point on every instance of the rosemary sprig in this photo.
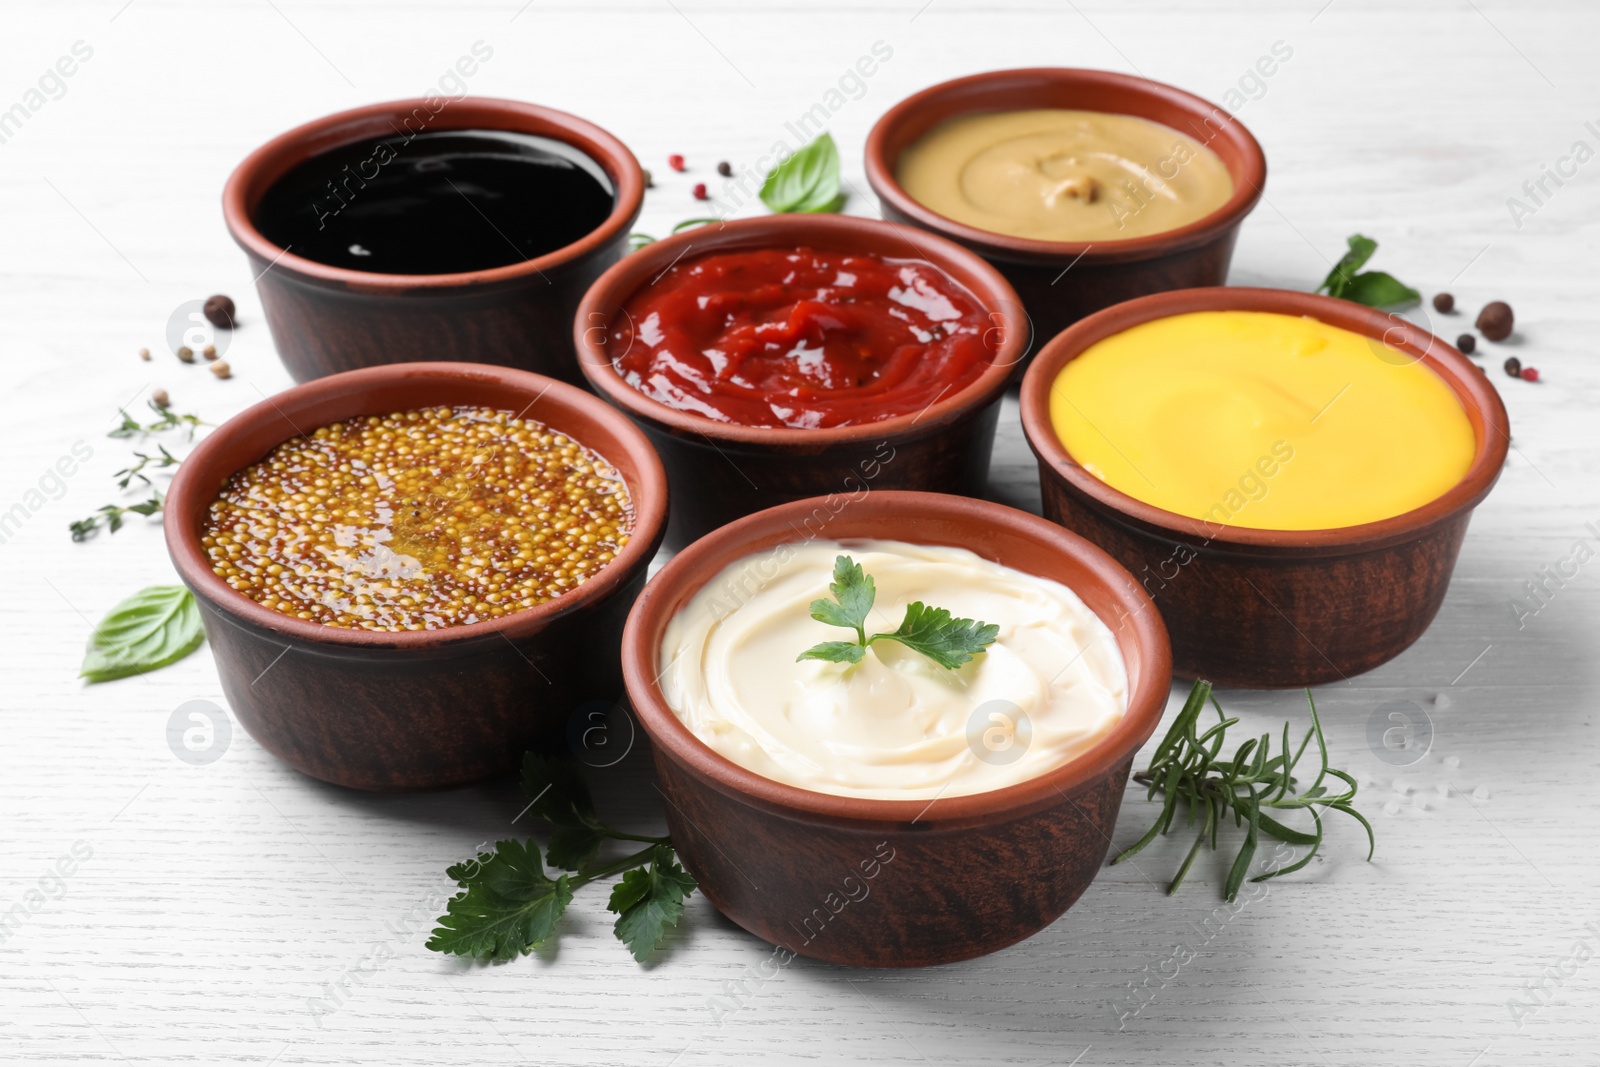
(1185, 769)
(126, 475)
(110, 517)
(167, 419)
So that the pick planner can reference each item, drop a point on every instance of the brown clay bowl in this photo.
(922, 882)
(328, 319)
(1060, 282)
(721, 471)
(430, 708)
(1274, 608)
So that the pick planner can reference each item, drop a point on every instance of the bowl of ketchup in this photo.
(793, 356)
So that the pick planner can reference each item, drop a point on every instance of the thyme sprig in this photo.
(126, 475)
(1185, 769)
(110, 516)
(166, 419)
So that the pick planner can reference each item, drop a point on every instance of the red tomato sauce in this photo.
(802, 338)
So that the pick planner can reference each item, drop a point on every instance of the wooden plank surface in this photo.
(222, 908)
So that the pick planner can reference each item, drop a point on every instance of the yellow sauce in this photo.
(1259, 420)
(1059, 175)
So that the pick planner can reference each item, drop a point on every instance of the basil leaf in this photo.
(1339, 278)
(807, 181)
(1376, 289)
(150, 629)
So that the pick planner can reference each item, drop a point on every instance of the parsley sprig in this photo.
(509, 906)
(1185, 769)
(947, 641)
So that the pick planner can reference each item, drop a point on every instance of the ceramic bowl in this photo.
(1275, 608)
(328, 319)
(898, 883)
(721, 471)
(429, 708)
(1059, 281)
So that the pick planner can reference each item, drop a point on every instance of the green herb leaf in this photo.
(573, 846)
(1185, 770)
(807, 181)
(853, 594)
(1372, 288)
(508, 906)
(649, 901)
(151, 629)
(947, 641)
(835, 651)
(1376, 289)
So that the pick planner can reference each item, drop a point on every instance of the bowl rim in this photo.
(622, 281)
(271, 160)
(1249, 177)
(200, 476)
(706, 557)
(1467, 381)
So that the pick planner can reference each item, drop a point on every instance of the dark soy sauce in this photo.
(436, 203)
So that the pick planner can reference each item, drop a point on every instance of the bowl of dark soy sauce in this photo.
(463, 231)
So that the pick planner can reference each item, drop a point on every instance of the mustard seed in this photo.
(435, 509)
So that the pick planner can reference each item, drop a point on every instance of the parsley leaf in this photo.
(649, 901)
(507, 908)
(947, 641)
(807, 181)
(1372, 288)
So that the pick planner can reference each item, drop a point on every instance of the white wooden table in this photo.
(220, 903)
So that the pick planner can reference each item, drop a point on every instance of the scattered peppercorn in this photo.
(1529, 374)
(649, 179)
(1494, 321)
(219, 311)
(675, 161)
(418, 521)
(210, 352)
(725, 169)
(160, 398)
(1444, 303)
(186, 353)
(221, 369)
(1466, 342)
(1514, 367)
(144, 354)
(700, 191)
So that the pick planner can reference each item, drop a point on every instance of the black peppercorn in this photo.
(1494, 321)
(1514, 367)
(1466, 342)
(725, 169)
(1444, 303)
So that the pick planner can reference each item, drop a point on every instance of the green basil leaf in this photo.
(807, 181)
(1376, 289)
(150, 629)
(1338, 279)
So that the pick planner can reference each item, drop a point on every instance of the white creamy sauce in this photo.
(896, 726)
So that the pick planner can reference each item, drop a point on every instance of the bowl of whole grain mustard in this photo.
(1083, 187)
(410, 574)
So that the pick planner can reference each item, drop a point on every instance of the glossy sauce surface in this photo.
(802, 337)
(436, 203)
(1262, 420)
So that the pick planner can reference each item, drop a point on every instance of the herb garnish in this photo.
(126, 476)
(1373, 288)
(804, 183)
(168, 420)
(947, 641)
(1185, 768)
(152, 628)
(509, 905)
(110, 516)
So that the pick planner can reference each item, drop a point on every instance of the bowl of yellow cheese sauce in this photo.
(1083, 187)
(1289, 476)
